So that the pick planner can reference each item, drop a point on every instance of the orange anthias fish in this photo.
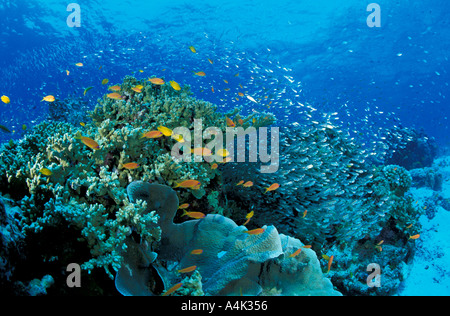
(152, 134)
(114, 88)
(273, 187)
(292, 255)
(330, 261)
(187, 184)
(200, 73)
(197, 252)
(130, 165)
(173, 289)
(192, 48)
(214, 166)
(157, 81)
(196, 215)
(79, 64)
(255, 231)
(114, 96)
(230, 123)
(88, 141)
(414, 237)
(201, 151)
(248, 184)
(183, 206)
(240, 182)
(188, 269)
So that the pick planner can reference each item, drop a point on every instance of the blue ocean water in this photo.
(291, 56)
(323, 54)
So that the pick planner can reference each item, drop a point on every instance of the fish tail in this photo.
(78, 135)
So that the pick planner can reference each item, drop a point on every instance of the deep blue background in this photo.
(296, 53)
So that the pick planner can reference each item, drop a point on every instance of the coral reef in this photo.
(429, 177)
(11, 242)
(73, 195)
(330, 196)
(409, 148)
(231, 263)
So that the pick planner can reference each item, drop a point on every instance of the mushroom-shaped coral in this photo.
(231, 261)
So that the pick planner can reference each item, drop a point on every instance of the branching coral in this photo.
(85, 189)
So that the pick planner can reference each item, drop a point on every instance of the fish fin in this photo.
(78, 135)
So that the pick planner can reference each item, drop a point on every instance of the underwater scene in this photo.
(224, 148)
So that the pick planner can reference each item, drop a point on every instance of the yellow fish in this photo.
(178, 137)
(223, 152)
(48, 98)
(5, 99)
(83, 124)
(175, 85)
(105, 81)
(166, 131)
(136, 89)
(46, 172)
(414, 237)
(79, 65)
(67, 72)
(248, 217)
(210, 61)
(192, 48)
